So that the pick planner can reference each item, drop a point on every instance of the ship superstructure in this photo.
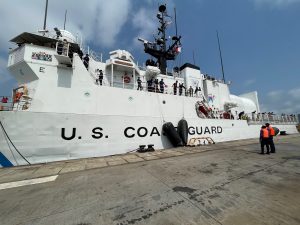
(60, 111)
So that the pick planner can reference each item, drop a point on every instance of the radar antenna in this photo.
(158, 49)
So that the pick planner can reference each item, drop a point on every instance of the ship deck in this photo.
(227, 183)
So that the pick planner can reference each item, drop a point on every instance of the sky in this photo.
(260, 39)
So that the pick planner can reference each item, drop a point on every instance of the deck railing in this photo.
(262, 118)
(155, 88)
(6, 103)
(10, 105)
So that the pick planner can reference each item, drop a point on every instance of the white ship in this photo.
(59, 111)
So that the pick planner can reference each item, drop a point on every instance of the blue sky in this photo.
(260, 39)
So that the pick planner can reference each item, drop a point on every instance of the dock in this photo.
(226, 183)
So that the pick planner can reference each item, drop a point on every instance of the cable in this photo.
(13, 143)
(11, 150)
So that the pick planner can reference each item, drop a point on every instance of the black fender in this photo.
(183, 131)
(276, 130)
(172, 134)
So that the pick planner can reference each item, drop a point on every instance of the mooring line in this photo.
(13, 143)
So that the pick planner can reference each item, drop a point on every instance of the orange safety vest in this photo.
(265, 133)
(272, 131)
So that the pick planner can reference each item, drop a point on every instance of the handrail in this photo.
(134, 85)
(10, 105)
(260, 118)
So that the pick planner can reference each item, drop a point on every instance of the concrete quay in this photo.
(226, 183)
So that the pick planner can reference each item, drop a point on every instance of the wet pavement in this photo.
(227, 183)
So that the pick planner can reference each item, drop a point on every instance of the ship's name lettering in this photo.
(205, 130)
(131, 132)
(97, 133)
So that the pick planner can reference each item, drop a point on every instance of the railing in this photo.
(95, 56)
(258, 118)
(155, 88)
(9, 105)
(6, 103)
(261, 118)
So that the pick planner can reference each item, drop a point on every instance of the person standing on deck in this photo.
(86, 60)
(198, 89)
(271, 134)
(156, 86)
(175, 85)
(191, 91)
(150, 85)
(264, 140)
(139, 82)
(181, 87)
(162, 86)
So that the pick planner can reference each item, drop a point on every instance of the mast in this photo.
(158, 49)
(163, 60)
(45, 18)
(221, 57)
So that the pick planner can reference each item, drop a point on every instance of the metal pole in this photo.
(221, 57)
(65, 19)
(45, 18)
(175, 20)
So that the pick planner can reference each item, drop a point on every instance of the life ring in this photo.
(18, 96)
(126, 79)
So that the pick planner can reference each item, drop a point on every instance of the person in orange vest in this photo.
(272, 134)
(264, 140)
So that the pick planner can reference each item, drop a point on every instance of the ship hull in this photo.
(46, 137)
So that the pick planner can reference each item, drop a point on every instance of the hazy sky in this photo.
(260, 39)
